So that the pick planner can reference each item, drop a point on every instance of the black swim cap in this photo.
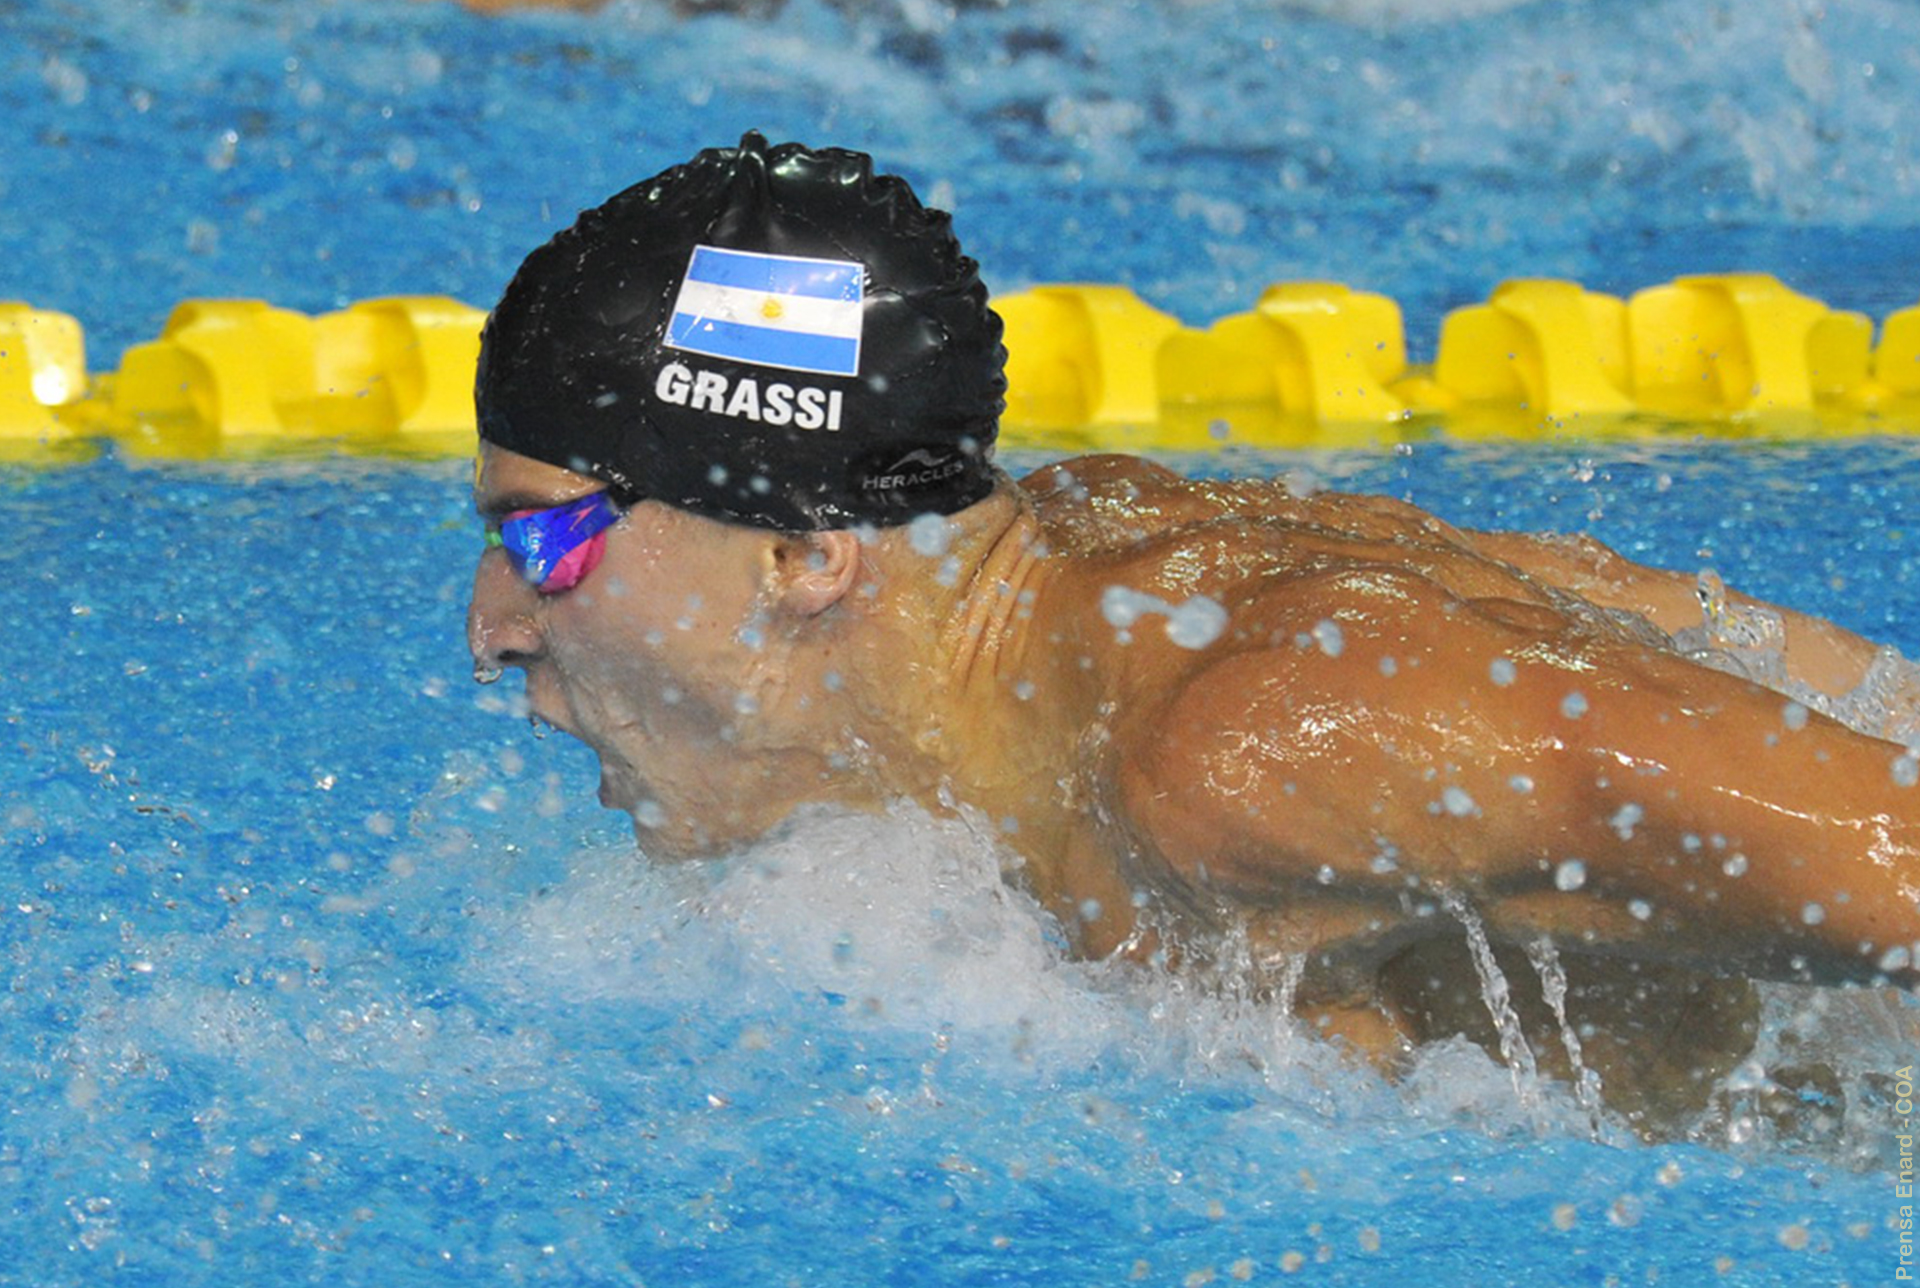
(766, 335)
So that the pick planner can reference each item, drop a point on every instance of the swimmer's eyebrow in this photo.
(499, 505)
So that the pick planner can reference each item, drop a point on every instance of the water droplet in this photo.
(1122, 606)
(67, 83)
(1570, 875)
(930, 535)
(1640, 909)
(1735, 865)
(1624, 819)
(1574, 705)
(1327, 634)
(1793, 716)
(224, 149)
(1906, 769)
(1501, 672)
(1813, 914)
(1197, 623)
(1457, 803)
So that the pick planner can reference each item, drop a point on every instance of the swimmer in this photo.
(747, 542)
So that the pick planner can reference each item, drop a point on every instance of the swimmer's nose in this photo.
(503, 628)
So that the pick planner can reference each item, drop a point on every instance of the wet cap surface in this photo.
(773, 336)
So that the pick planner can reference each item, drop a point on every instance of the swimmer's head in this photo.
(771, 336)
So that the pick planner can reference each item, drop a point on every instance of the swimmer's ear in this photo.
(816, 570)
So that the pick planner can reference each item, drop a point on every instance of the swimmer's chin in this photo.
(666, 841)
(658, 835)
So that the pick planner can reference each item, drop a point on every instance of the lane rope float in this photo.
(1089, 365)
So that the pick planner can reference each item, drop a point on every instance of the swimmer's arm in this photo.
(1817, 653)
(1413, 765)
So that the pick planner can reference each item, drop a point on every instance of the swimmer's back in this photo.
(1139, 525)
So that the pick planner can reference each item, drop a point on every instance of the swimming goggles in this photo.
(555, 548)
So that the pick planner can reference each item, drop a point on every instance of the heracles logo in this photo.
(921, 467)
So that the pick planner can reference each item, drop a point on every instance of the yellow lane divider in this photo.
(1312, 363)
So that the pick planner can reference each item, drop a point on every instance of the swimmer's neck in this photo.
(955, 628)
(1002, 574)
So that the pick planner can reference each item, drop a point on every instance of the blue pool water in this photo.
(320, 968)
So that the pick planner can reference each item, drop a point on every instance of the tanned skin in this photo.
(1398, 726)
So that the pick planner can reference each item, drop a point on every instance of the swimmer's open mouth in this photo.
(617, 789)
(542, 722)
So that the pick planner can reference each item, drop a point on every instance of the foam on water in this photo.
(903, 921)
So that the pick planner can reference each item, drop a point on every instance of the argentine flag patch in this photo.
(771, 310)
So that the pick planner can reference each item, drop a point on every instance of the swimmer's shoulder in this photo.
(1100, 477)
(1113, 498)
(1099, 502)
